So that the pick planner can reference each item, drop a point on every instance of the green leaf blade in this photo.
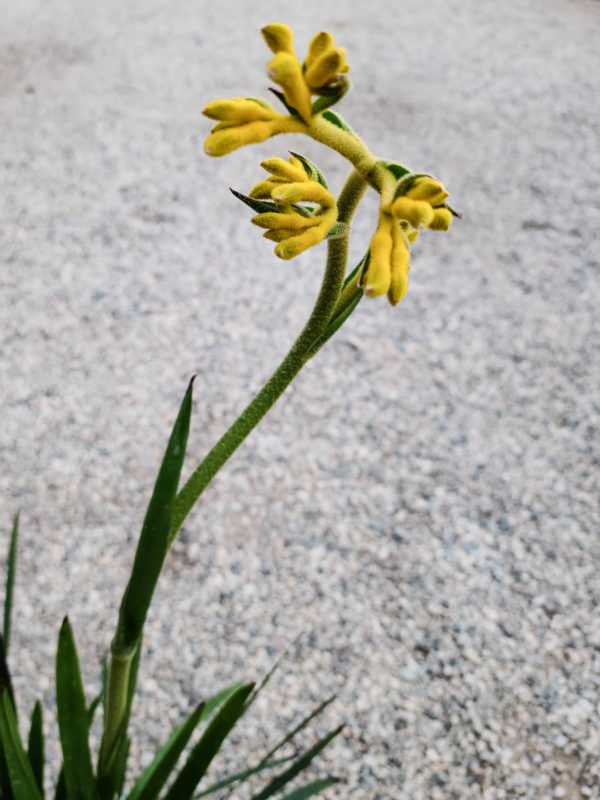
(73, 719)
(5, 680)
(279, 781)
(311, 789)
(10, 582)
(260, 206)
(35, 745)
(22, 780)
(154, 538)
(209, 745)
(156, 774)
(240, 777)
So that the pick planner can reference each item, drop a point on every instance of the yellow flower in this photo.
(294, 227)
(420, 202)
(387, 266)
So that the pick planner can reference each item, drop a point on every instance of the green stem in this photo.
(337, 256)
(116, 704)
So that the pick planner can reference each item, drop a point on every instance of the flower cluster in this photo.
(322, 69)
(293, 226)
(410, 202)
(249, 120)
(418, 203)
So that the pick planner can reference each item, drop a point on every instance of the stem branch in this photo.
(337, 256)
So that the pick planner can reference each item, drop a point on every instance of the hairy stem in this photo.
(337, 256)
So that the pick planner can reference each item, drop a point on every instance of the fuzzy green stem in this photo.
(347, 144)
(337, 256)
(116, 703)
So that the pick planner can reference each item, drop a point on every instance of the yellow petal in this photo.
(226, 141)
(285, 70)
(239, 110)
(377, 277)
(442, 219)
(292, 221)
(280, 234)
(262, 189)
(329, 64)
(417, 213)
(279, 37)
(428, 189)
(399, 267)
(290, 171)
(309, 191)
(298, 244)
(319, 43)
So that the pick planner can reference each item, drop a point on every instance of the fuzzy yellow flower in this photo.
(387, 267)
(294, 226)
(420, 202)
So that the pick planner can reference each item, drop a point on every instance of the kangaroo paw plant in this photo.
(296, 209)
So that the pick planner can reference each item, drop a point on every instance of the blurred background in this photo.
(417, 519)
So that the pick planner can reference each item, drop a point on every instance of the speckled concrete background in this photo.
(421, 508)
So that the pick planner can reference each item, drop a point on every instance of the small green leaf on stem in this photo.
(336, 120)
(311, 169)
(260, 206)
(338, 230)
(397, 170)
(280, 96)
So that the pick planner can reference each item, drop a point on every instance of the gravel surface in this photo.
(418, 516)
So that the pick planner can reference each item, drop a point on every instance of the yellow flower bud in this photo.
(298, 244)
(308, 191)
(288, 171)
(326, 67)
(428, 189)
(279, 37)
(221, 142)
(318, 45)
(238, 110)
(442, 218)
(399, 266)
(279, 234)
(417, 213)
(291, 220)
(285, 70)
(377, 277)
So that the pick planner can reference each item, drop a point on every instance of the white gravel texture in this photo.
(421, 507)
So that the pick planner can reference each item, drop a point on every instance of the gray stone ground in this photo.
(421, 508)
